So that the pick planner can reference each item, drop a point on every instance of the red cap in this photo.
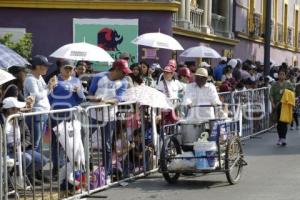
(122, 65)
(169, 68)
(184, 71)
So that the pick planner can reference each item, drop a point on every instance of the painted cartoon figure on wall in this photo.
(109, 39)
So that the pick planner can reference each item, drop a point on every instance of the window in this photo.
(17, 32)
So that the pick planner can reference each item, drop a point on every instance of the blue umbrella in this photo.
(9, 58)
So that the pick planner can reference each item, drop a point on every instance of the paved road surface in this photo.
(273, 173)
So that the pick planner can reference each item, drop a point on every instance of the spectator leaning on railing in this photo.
(67, 93)
(35, 86)
(109, 87)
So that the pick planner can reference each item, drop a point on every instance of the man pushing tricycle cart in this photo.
(207, 139)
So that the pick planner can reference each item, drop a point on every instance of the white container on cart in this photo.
(203, 147)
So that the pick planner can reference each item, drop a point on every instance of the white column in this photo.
(229, 15)
(182, 10)
(187, 10)
(207, 16)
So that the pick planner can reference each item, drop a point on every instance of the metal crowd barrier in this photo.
(114, 143)
(256, 109)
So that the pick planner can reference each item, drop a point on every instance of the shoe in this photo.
(292, 128)
(38, 176)
(10, 162)
(35, 181)
(108, 180)
(279, 142)
(48, 166)
(283, 142)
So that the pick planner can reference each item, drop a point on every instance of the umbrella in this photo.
(158, 40)
(9, 58)
(149, 96)
(200, 52)
(5, 77)
(82, 51)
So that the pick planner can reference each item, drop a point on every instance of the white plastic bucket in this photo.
(208, 149)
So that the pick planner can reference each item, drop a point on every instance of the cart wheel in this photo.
(170, 149)
(234, 160)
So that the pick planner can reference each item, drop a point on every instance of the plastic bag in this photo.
(184, 161)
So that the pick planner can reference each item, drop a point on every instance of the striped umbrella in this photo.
(9, 58)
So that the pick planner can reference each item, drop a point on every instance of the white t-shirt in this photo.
(173, 87)
(37, 88)
(103, 87)
(206, 95)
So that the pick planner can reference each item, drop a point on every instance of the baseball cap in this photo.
(224, 59)
(122, 65)
(232, 63)
(40, 60)
(67, 63)
(169, 68)
(201, 72)
(124, 55)
(12, 102)
(155, 66)
(204, 64)
(184, 71)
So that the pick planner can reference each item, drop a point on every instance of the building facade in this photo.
(235, 28)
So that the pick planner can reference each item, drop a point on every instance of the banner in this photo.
(113, 35)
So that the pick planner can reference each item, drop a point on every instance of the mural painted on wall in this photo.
(113, 35)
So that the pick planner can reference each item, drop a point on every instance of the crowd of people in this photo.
(74, 83)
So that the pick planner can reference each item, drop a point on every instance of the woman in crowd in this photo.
(227, 73)
(15, 87)
(276, 93)
(35, 86)
(169, 86)
(136, 75)
(148, 80)
(67, 93)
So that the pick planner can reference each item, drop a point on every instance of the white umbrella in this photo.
(5, 77)
(82, 51)
(149, 96)
(158, 40)
(200, 52)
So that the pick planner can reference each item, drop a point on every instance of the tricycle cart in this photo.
(225, 154)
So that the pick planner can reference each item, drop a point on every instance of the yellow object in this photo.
(287, 104)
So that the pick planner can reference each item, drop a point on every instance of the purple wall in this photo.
(255, 51)
(52, 28)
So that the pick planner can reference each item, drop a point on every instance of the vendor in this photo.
(199, 93)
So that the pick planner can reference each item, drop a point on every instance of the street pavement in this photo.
(273, 173)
